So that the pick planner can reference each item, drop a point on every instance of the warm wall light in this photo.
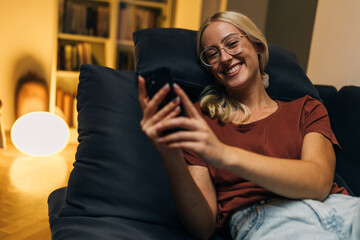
(40, 134)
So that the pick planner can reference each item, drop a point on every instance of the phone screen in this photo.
(154, 81)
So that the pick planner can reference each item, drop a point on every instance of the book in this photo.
(84, 18)
(68, 49)
(102, 23)
(123, 18)
(71, 55)
(133, 18)
(68, 107)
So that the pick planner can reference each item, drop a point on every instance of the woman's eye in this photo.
(211, 55)
(232, 44)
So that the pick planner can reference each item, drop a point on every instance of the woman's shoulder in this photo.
(305, 101)
(306, 106)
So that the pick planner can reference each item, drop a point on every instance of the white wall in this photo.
(187, 14)
(335, 49)
(26, 30)
(256, 10)
(210, 7)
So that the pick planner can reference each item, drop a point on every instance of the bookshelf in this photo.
(96, 32)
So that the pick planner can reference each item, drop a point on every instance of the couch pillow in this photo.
(347, 130)
(117, 171)
(288, 81)
(176, 50)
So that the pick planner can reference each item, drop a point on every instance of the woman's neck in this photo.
(257, 100)
(253, 95)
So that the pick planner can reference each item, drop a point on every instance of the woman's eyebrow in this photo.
(222, 40)
(226, 37)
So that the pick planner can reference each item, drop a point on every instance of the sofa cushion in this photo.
(104, 227)
(328, 95)
(176, 49)
(347, 130)
(288, 81)
(117, 171)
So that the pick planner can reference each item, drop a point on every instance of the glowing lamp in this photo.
(40, 134)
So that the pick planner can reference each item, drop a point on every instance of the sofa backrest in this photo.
(344, 111)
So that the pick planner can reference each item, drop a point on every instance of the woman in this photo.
(264, 166)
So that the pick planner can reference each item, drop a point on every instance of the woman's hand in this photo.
(152, 116)
(196, 137)
(192, 187)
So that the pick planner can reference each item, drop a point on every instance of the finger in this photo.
(174, 113)
(154, 102)
(187, 145)
(181, 122)
(142, 94)
(170, 110)
(182, 136)
(188, 105)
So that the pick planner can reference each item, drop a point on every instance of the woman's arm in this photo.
(194, 196)
(192, 188)
(310, 177)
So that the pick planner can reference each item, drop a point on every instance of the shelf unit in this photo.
(92, 31)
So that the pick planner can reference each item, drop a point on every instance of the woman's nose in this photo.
(224, 56)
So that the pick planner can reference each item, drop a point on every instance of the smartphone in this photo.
(154, 81)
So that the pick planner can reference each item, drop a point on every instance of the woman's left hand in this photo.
(196, 137)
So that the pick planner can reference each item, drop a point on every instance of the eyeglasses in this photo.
(232, 45)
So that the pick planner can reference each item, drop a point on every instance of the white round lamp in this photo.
(40, 134)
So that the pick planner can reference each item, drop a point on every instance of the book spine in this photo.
(68, 49)
(84, 18)
(66, 106)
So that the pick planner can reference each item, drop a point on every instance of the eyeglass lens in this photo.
(232, 45)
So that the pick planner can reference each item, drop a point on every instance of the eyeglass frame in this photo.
(219, 50)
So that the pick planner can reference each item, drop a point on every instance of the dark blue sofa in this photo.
(118, 188)
(344, 111)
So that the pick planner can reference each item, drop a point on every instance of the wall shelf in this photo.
(106, 40)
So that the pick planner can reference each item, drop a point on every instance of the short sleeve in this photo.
(316, 119)
(193, 159)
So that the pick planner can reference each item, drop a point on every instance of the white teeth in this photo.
(232, 70)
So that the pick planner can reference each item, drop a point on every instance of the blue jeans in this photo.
(338, 217)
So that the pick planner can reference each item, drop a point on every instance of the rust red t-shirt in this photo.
(279, 135)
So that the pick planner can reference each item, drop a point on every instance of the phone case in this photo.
(154, 81)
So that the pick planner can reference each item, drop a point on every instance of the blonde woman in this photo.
(260, 167)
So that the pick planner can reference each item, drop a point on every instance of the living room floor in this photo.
(25, 184)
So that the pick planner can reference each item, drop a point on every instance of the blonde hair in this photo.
(214, 99)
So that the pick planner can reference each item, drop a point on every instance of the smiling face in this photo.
(233, 71)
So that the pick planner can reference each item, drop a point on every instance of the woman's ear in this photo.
(259, 49)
